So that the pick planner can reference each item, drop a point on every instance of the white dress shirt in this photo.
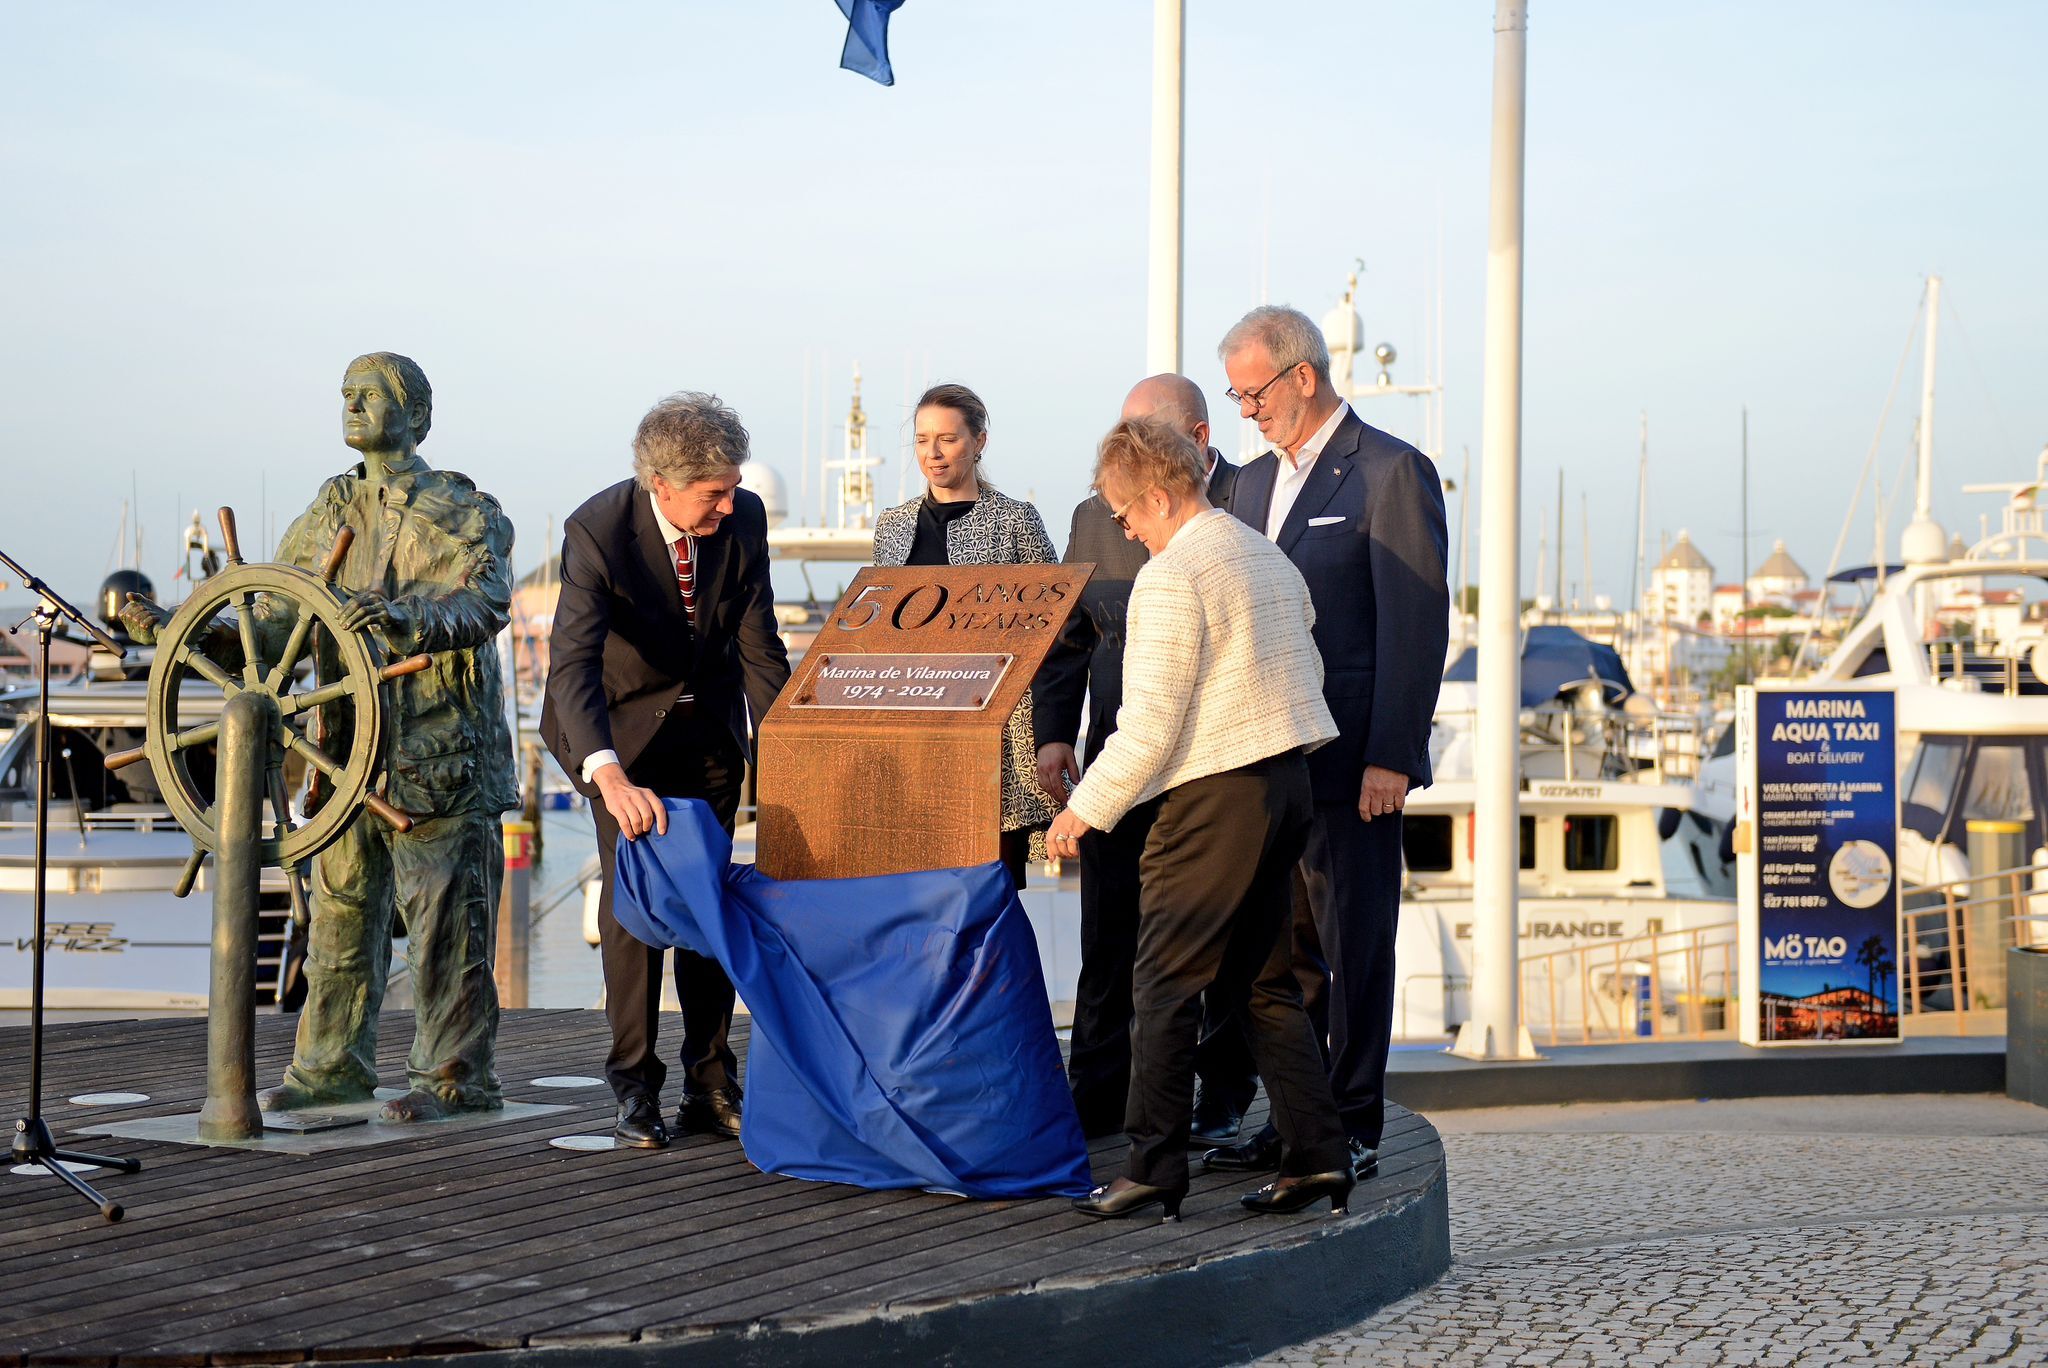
(1295, 469)
(670, 535)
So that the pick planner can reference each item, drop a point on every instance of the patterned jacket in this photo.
(1000, 531)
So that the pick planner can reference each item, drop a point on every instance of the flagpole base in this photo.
(1476, 1041)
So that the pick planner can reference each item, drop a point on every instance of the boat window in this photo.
(1528, 843)
(1426, 842)
(1998, 785)
(1934, 773)
(1592, 841)
(78, 771)
(1724, 744)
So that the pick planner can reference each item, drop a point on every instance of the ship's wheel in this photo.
(185, 682)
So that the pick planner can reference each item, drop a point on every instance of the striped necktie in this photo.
(686, 576)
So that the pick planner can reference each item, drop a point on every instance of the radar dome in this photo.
(1923, 543)
(114, 592)
(769, 487)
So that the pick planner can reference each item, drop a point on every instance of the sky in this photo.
(564, 213)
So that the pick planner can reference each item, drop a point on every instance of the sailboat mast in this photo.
(1558, 596)
(1748, 664)
(1635, 580)
(1585, 595)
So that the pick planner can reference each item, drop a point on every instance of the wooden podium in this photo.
(884, 753)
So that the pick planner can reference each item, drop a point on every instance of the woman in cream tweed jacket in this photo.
(1222, 697)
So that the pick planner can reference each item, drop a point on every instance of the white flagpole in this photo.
(1163, 293)
(1494, 1030)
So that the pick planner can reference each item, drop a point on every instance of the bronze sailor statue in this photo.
(428, 572)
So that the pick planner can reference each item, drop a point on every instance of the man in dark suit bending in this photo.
(664, 642)
(1088, 660)
(1361, 515)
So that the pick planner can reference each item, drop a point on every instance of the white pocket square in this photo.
(1323, 522)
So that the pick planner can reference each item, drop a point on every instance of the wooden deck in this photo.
(484, 1245)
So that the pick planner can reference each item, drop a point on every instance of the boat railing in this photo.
(1663, 985)
(1572, 744)
(63, 818)
(1952, 942)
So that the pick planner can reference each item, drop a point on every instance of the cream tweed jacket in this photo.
(1220, 668)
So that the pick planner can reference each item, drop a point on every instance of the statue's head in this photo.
(386, 403)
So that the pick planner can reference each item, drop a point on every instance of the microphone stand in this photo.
(33, 1143)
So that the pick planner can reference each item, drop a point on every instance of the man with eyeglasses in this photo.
(1361, 515)
(1088, 662)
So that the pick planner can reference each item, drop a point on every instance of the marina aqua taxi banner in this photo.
(1817, 816)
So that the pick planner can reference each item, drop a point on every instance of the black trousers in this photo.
(1344, 954)
(1214, 916)
(690, 758)
(1014, 849)
(1099, 1062)
(1347, 906)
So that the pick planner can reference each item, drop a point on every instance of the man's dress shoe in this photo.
(639, 1124)
(1216, 1123)
(1255, 1155)
(716, 1112)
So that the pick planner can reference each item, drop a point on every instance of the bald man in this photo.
(1088, 661)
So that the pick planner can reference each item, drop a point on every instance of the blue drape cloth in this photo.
(902, 1036)
(867, 38)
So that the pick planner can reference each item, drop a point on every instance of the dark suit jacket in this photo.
(621, 650)
(1088, 657)
(1376, 577)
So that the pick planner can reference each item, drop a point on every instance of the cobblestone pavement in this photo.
(1795, 1231)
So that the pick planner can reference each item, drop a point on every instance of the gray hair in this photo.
(685, 438)
(1289, 336)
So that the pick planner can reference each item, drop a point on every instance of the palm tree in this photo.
(1885, 970)
(1869, 955)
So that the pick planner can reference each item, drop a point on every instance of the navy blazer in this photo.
(621, 649)
(1375, 573)
(1087, 658)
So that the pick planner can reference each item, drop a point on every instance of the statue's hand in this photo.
(369, 608)
(142, 617)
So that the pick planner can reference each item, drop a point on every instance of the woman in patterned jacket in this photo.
(962, 519)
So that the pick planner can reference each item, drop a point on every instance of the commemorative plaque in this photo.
(942, 683)
(884, 753)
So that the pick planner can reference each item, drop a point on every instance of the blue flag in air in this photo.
(867, 38)
(901, 1033)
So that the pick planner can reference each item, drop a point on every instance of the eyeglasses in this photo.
(1118, 515)
(1257, 398)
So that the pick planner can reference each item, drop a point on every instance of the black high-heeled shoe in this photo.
(1129, 1201)
(1284, 1195)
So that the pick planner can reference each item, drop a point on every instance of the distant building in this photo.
(1682, 585)
(1663, 654)
(1779, 577)
(533, 619)
(68, 659)
(1727, 606)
